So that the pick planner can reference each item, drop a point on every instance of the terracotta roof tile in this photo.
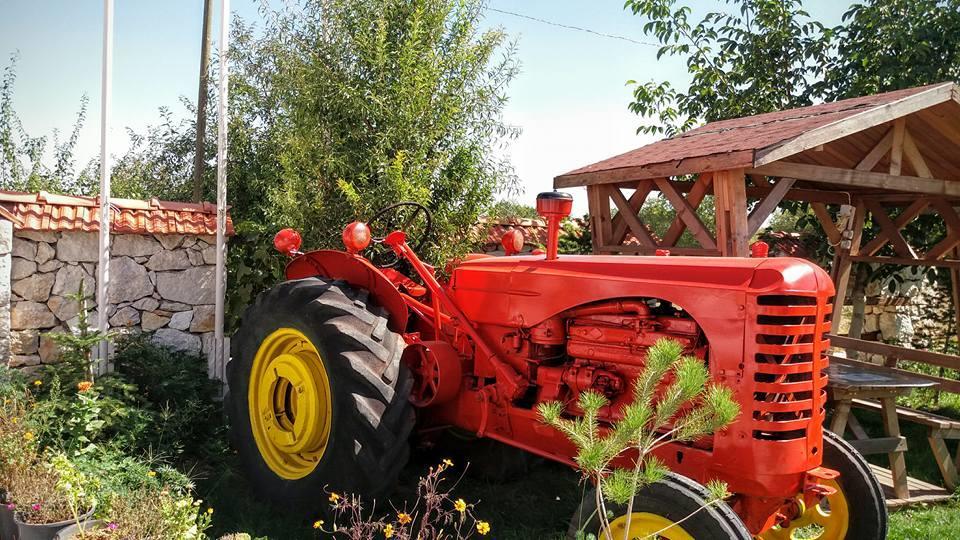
(746, 135)
(50, 212)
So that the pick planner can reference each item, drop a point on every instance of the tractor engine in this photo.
(602, 347)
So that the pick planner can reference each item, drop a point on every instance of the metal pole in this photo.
(218, 358)
(103, 268)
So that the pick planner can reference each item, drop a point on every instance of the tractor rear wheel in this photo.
(856, 510)
(318, 396)
(671, 509)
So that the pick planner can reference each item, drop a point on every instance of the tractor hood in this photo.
(532, 289)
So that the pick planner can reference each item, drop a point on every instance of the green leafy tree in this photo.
(764, 56)
(682, 410)
(509, 209)
(891, 44)
(29, 163)
(338, 108)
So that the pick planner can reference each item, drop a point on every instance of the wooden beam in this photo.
(730, 202)
(902, 261)
(915, 157)
(826, 222)
(876, 153)
(855, 123)
(952, 221)
(714, 162)
(890, 229)
(697, 192)
(599, 205)
(768, 205)
(637, 198)
(896, 148)
(842, 263)
(687, 214)
(848, 177)
(629, 214)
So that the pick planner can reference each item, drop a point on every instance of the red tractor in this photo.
(334, 369)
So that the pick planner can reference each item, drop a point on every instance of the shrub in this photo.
(174, 387)
(671, 402)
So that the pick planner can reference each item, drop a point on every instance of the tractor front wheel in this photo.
(318, 396)
(856, 510)
(672, 509)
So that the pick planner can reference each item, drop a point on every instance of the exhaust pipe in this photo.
(553, 206)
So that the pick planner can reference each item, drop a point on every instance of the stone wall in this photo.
(162, 284)
(906, 310)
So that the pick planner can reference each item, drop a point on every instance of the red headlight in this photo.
(356, 237)
(287, 241)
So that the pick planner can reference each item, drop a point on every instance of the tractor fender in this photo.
(359, 273)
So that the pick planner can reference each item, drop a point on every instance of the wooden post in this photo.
(730, 199)
(849, 246)
(601, 229)
(898, 463)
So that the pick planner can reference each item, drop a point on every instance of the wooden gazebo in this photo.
(894, 156)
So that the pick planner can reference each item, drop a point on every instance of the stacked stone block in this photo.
(162, 284)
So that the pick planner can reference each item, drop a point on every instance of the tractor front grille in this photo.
(790, 355)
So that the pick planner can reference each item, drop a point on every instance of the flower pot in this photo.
(44, 531)
(8, 529)
(73, 531)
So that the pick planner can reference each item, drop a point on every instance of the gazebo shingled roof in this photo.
(855, 125)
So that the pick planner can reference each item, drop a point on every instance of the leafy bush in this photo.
(671, 402)
(178, 395)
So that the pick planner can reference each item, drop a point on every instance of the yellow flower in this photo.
(151, 474)
(388, 531)
(37, 382)
(28, 436)
(404, 518)
(334, 498)
(483, 528)
(209, 511)
(460, 505)
(317, 524)
(448, 463)
(83, 386)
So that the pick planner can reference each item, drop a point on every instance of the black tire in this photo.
(865, 501)
(372, 417)
(675, 498)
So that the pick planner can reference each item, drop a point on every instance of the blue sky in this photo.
(570, 98)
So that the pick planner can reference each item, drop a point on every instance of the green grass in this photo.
(941, 522)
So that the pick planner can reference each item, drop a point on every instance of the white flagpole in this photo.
(103, 270)
(219, 353)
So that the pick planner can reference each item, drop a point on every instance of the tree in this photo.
(766, 57)
(509, 209)
(892, 44)
(24, 161)
(340, 107)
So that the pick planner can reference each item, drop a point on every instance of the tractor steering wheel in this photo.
(414, 219)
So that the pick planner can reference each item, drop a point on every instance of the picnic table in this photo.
(847, 384)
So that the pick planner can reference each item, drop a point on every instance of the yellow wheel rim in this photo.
(289, 403)
(828, 520)
(643, 525)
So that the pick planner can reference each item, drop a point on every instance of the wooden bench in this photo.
(939, 429)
